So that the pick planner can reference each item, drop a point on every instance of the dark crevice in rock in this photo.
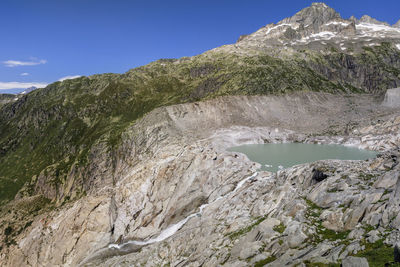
(318, 176)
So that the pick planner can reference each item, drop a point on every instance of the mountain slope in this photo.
(104, 148)
(59, 124)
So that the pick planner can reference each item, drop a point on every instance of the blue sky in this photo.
(43, 41)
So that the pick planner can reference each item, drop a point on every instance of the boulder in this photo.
(355, 262)
(397, 252)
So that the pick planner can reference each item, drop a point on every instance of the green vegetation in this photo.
(265, 261)
(320, 264)
(279, 228)
(8, 231)
(328, 234)
(378, 254)
(313, 210)
(245, 230)
(366, 176)
(332, 190)
(313, 213)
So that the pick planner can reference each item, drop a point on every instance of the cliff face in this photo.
(132, 168)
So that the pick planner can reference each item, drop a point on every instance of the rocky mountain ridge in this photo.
(320, 28)
(132, 169)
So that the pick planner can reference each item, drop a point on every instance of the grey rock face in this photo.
(397, 25)
(174, 161)
(355, 262)
(373, 236)
(316, 15)
(354, 19)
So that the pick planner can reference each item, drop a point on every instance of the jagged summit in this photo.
(368, 19)
(316, 15)
(319, 27)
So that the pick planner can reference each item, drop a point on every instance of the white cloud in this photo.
(18, 85)
(24, 74)
(17, 63)
(69, 77)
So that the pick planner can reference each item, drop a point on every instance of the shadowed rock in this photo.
(397, 252)
(318, 176)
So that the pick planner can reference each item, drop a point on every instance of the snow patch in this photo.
(376, 27)
(277, 26)
(325, 34)
(398, 46)
(337, 23)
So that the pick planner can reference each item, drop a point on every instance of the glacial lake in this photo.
(274, 157)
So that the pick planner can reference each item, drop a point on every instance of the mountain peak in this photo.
(317, 14)
(319, 4)
(319, 27)
(368, 19)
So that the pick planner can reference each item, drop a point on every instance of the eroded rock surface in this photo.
(175, 171)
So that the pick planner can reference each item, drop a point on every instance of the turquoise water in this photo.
(274, 157)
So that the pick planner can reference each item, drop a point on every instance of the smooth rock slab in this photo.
(355, 262)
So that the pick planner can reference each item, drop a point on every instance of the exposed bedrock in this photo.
(173, 165)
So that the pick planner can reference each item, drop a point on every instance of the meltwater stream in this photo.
(135, 245)
(274, 157)
(172, 229)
